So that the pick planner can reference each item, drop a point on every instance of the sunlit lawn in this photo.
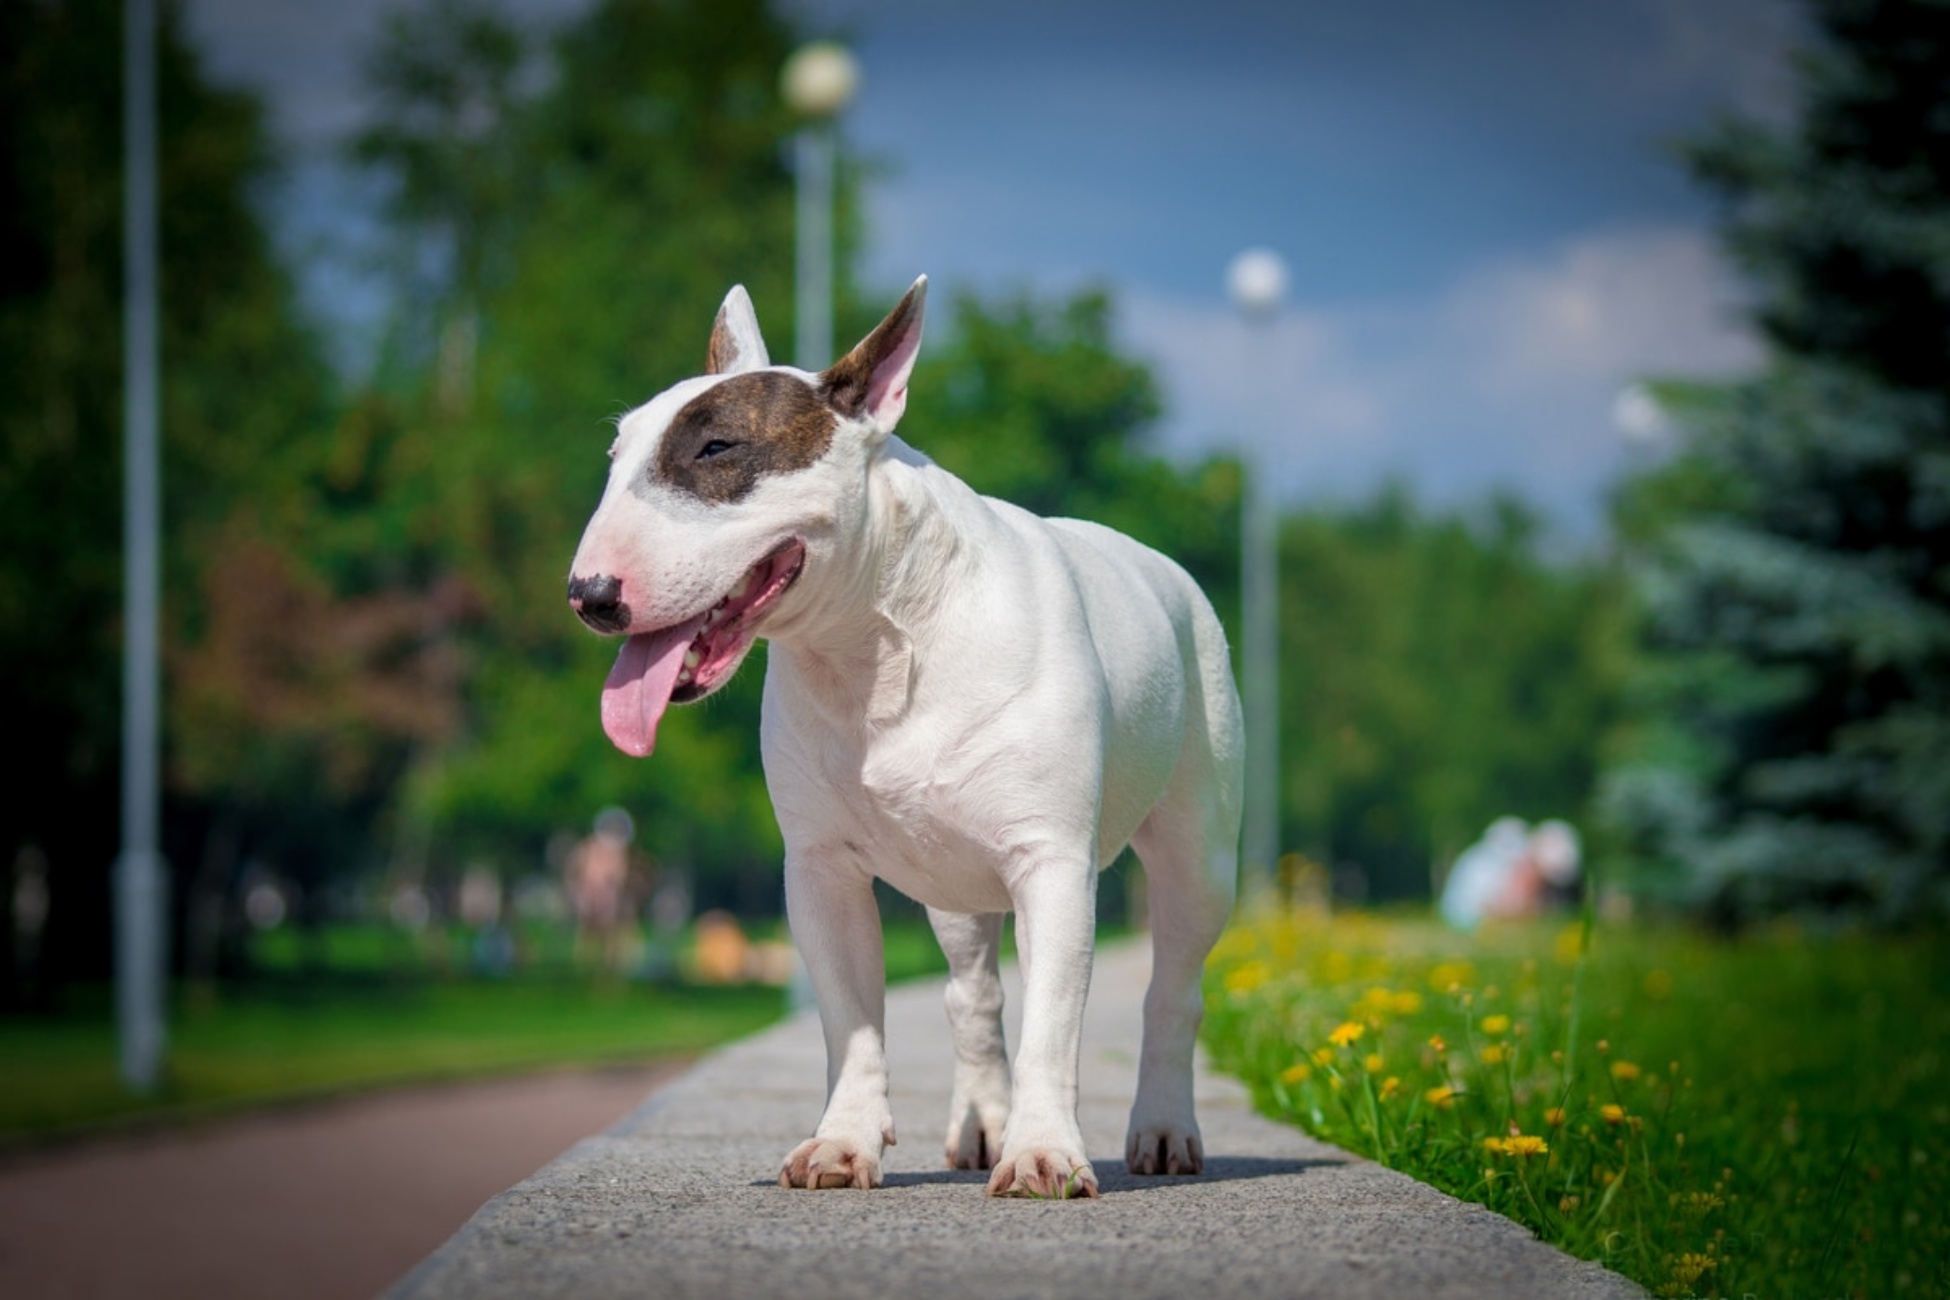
(1768, 1117)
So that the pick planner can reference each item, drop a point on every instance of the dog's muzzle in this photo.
(598, 601)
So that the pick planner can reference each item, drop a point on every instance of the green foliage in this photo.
(1710, 1119)
(231, 451)
(1437, 672)
(1795, 557)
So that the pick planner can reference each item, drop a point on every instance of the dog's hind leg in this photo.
(979, 1108)
(1190, 867)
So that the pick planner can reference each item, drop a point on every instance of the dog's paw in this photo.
(830, 1162)
(975, 1139)
(1164, 1149)
(1045, 1174)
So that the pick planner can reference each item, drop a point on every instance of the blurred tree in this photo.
(1438, 672)
(1795, 556)
(229, 446)
(570, 214)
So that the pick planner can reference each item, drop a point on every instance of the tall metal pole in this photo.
(1257, 282)
(1260, 588)
(813, 293)
(818, 81)
(140, 932)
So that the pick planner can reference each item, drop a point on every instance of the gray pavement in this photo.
(681, 1198)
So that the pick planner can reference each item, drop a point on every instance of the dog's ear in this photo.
(870, 382)
(736, 343)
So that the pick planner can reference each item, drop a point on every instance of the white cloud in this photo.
(1506, 378)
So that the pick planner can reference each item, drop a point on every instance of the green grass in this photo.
(58, 1074)
(1768, 1117)
(356, 1007)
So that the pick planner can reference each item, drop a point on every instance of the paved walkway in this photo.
(680, 1199)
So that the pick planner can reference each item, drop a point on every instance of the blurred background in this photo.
(1600, 406)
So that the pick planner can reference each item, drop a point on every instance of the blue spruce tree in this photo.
(1794, 557)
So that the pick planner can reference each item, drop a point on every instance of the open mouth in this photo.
(731, 625)
(688, 660)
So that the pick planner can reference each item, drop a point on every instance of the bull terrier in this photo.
(977, 705)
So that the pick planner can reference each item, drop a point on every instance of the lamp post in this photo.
(818, 81)
(140, 970)
(1257, 283)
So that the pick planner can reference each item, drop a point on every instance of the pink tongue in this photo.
(639, 686)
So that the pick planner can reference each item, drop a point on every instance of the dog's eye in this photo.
(715, 447)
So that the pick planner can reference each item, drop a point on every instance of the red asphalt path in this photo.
(326, 1201)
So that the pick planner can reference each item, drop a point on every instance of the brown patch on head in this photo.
(847, 383)
(729, 437)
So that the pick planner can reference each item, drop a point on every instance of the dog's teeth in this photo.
(684, 678)
(692, 659)
(744, 585)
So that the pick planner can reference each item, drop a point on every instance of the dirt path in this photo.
(333, 1200)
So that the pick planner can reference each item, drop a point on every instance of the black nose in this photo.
(598, 601)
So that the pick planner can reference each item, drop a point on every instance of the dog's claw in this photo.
(1045, 1175)
(1166, 1150)
(830, 1162)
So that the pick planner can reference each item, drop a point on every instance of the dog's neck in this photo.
(851, 640)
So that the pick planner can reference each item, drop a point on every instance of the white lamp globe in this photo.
(819, 79)
(1256, 279)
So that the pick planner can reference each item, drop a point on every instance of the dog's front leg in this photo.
(978, 1110)
(1056, 917)
(836, 924)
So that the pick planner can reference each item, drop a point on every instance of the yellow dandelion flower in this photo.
(1247, 977)
(1554, 1116)
(1687, 1269)
(1323, 1056)
(1495, 1145)
(1298, 1072)
(1444, 1096)
(1436, 1041)
(1406, 1003)
(1494, 1054)
(1496, 1024)
(1347, 1034)
(1611, 1113)
(1567, 1204)
(1624, 1071)
(1525, 1144)
(1373, 1063)
(1390, 1086)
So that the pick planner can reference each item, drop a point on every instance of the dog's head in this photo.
(724, 491)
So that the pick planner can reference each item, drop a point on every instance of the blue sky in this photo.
(1487, 236)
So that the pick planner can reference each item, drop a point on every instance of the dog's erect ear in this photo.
(736, 343)
(870, 382)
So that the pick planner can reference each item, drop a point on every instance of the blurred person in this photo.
(603, 879)
(1483, 872)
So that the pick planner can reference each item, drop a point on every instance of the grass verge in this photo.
(1766, 1117)
(58, 1073)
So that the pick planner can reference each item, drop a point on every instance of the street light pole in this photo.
(1257, 281)
(818, 81)
(140, 885)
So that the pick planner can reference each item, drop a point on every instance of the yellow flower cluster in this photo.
(1519, 1145)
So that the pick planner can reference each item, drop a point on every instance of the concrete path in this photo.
(680, 1199)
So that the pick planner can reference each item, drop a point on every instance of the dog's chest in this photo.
(900, 805)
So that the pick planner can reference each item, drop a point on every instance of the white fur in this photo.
(982, 708)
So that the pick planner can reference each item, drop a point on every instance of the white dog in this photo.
(976, 705)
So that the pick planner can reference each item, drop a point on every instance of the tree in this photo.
(1795, 556)
(229, 446)
(1437, 672)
